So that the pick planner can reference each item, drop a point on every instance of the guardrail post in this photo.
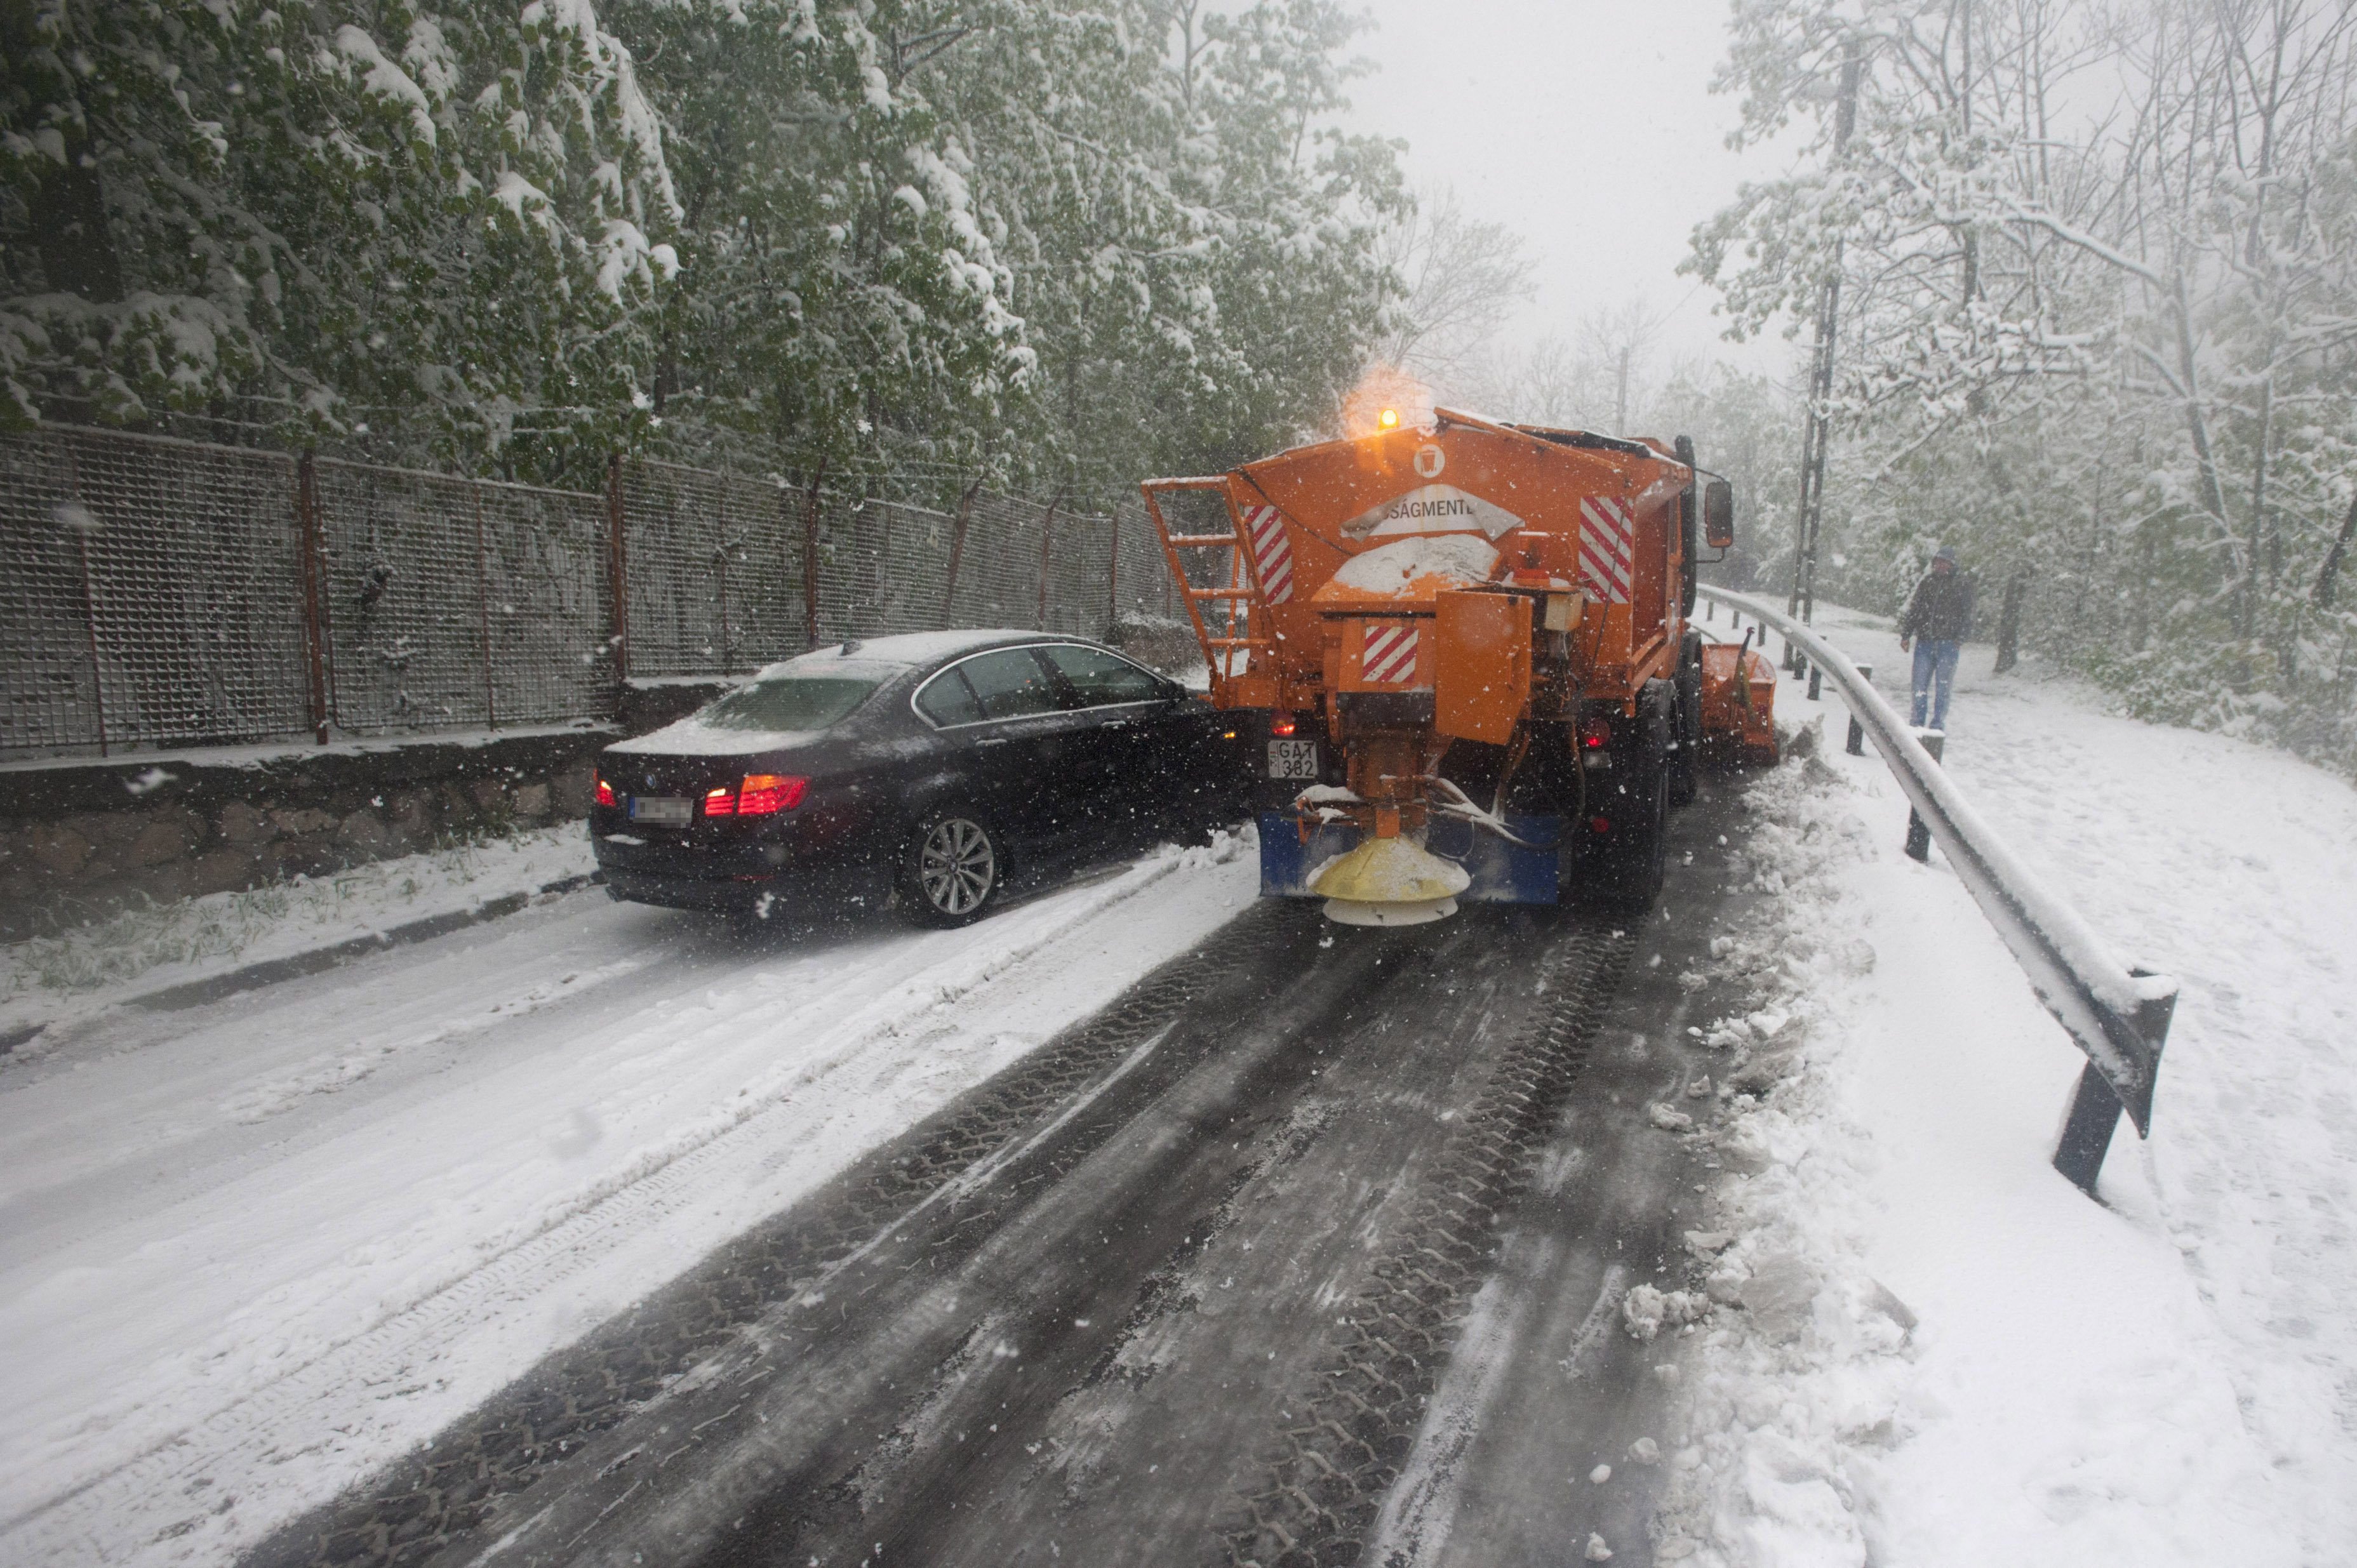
(1856, 730)
(1816, 684)
(1919, 832)
(2095, 1110)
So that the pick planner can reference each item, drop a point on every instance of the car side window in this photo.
(1009, 683)
(948, 700)
(1102, 679)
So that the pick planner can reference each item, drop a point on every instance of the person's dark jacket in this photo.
(1940, 609)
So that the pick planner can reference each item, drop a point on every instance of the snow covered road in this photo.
(250, 1252)
(257, 1251)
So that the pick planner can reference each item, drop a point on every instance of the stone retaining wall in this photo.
(82, 839)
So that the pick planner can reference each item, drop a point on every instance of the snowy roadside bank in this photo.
(256, 1250)
(1932, 1352)
(46, 980)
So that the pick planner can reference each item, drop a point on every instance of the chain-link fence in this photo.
(159, 592)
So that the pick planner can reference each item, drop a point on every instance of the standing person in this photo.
(1937, 616)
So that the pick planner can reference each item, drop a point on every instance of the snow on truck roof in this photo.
(905, 652)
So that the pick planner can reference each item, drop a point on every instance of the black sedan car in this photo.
(931, 768)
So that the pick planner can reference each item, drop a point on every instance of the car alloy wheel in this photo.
(956, 867)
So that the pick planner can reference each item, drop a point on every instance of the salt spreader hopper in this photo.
(1471, 642)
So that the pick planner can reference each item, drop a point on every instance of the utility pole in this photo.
(1804, 600)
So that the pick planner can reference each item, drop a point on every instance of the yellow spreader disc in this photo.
(1389, 882)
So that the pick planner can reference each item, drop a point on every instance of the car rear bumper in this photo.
(727, 878)
(713, 895)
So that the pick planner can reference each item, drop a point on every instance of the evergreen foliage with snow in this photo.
(1061, 244)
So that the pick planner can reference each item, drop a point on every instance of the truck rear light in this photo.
(721, 802)
(604, 791)
(1595, 733)
(1281, 724)
(765, 794)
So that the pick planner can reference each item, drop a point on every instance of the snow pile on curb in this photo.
(1924, 1348)
(45, 980)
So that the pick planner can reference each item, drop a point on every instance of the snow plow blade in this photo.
(1738, 703)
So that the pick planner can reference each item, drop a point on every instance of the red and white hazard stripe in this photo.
(1388, 654)
(1272, 551)
(1607, 548)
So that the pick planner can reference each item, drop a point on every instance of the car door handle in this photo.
(994, 740)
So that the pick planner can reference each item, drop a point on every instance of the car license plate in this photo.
(662, 809)
(1293, 760)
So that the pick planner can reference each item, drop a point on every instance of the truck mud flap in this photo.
(1502, 872)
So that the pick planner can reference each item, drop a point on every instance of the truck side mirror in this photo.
(1719, 514)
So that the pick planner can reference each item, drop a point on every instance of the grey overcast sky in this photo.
(1586, 125)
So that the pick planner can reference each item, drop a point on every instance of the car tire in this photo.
(950, 871)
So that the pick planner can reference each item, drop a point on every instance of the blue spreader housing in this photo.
(1502, 872)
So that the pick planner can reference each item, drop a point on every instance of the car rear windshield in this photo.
(790, 703)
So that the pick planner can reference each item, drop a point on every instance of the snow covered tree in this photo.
(446, 220)
(2094, 310)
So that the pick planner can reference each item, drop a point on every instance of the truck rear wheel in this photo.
(1625, 868)
(1686, 733)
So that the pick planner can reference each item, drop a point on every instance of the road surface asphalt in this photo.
(1309, 1248)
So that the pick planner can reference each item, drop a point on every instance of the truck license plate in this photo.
(1293, 760)
(675, 809)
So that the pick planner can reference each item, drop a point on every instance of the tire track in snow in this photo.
(225, 1476)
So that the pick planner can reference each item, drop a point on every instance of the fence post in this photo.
(720, 567)
(1047, 534)
(483, 611)
(81, 527)
(618, 568)
(1857, 730)
(1113, 574)
(810, 554)
(310, 567)
(1919, 832)
(957, 549)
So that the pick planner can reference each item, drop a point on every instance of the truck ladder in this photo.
(1225, 618)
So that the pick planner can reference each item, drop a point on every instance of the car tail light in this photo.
(1601, 824)
(604, 791)
(1596, 733)
(767, 793)
(1281, 724)
(721, 802)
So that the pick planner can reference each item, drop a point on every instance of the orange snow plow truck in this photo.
(1471, 644)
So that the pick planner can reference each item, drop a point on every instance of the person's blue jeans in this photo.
(1935, 673)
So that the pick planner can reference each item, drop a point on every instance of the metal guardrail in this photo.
(2119, 1016)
